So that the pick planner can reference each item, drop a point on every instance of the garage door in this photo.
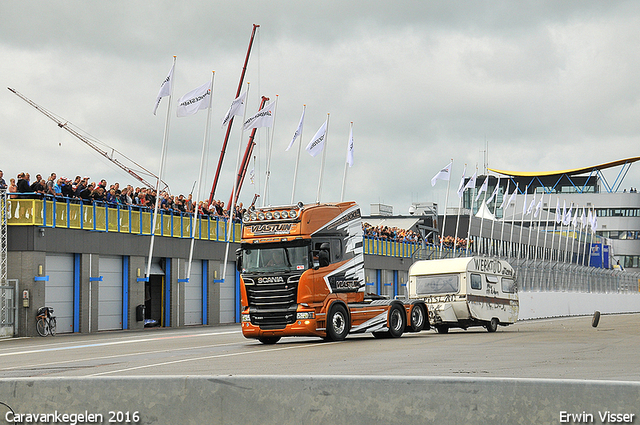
(228, 295)
(193, 296)
(110, 293)
(58, 290)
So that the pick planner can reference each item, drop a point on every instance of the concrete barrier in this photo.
(538, 305)
(315, 400)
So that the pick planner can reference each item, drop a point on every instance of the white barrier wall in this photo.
(353, 400)
(538, 305)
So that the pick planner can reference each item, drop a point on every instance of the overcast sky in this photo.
(545, 85)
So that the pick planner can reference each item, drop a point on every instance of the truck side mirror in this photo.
(239, 259)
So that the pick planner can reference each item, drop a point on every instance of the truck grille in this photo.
(272, 304)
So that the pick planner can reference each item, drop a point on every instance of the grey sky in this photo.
(548, 85)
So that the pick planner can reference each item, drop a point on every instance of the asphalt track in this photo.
(562, 348)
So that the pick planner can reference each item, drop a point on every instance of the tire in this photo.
(41, 327)
(442, 329)
(492, 326)
(396, 321)
(418, 318)
(338, 325)
(269, 340)
(52, 326)
(596, 319)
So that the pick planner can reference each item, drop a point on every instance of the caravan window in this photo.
(476, 281)
(509, 286)
(437, 284)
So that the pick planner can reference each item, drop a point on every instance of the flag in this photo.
(594, 221)
(558, 216)
(483, 188)
(538, 207)
(574, 222)
(298, 130)
(234, 109)
(524, 203)
(504, 196)
(165, 88)
(262, 118)
(533, 202)
(590, 219)
(564, 212)
(472, 181)
(350, 149)
(495, 192)
(582, 220)
(461, 185)
(316, 144)
(443, 174)
(513, 196)
(195, 100)
(252, 175)
(567, 218)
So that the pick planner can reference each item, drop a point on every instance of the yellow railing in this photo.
(121, 219)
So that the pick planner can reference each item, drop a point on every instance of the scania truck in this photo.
(302, 274)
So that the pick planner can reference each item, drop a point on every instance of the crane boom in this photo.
(109, 156)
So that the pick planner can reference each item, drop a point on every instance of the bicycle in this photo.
(45, 321)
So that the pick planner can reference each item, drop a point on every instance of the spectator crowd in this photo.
(387, 233)
(82, 189)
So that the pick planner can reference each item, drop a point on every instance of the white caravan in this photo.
(464, 292)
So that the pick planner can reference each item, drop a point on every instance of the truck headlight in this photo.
(302, 315)
(246, 317)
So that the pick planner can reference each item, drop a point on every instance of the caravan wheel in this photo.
(492, 326)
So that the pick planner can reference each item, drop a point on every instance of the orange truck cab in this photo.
(302, 274)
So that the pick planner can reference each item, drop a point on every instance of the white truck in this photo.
(465, 292)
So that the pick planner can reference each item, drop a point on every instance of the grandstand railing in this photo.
(101, 217)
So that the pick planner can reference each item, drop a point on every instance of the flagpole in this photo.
(268, 174)
(165, 139)
(473, 192)
(324, 155)
(512, 223)
(202, 158)
(346, 163)
(460, 188)
(446, 200)
(295, 173)
(495, 210)
(504, 208)
(230, 223)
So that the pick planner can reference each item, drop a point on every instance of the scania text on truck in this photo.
(302, 274)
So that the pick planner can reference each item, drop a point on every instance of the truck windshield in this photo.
(275, 257)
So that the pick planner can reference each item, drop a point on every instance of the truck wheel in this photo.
(338, 323)
(397, 320)
(418, 318)
(596, 319)
(492, 326)
(269, 340)
(442, 329)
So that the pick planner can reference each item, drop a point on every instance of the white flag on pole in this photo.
(483, 188)
(566, 220)
(504, 196)
(195, 100)
(350, 149)
(558, 215)
(574, 222)
(262, 118)
(513, 196)
(298, 130)
(538, 207)
(533, 202)
(594, 222)
(443, 174)
(583, 219)
(316, 144)
(236, 108)
(472, 181)
(165, 88)
(495, 192)
(461, 185)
